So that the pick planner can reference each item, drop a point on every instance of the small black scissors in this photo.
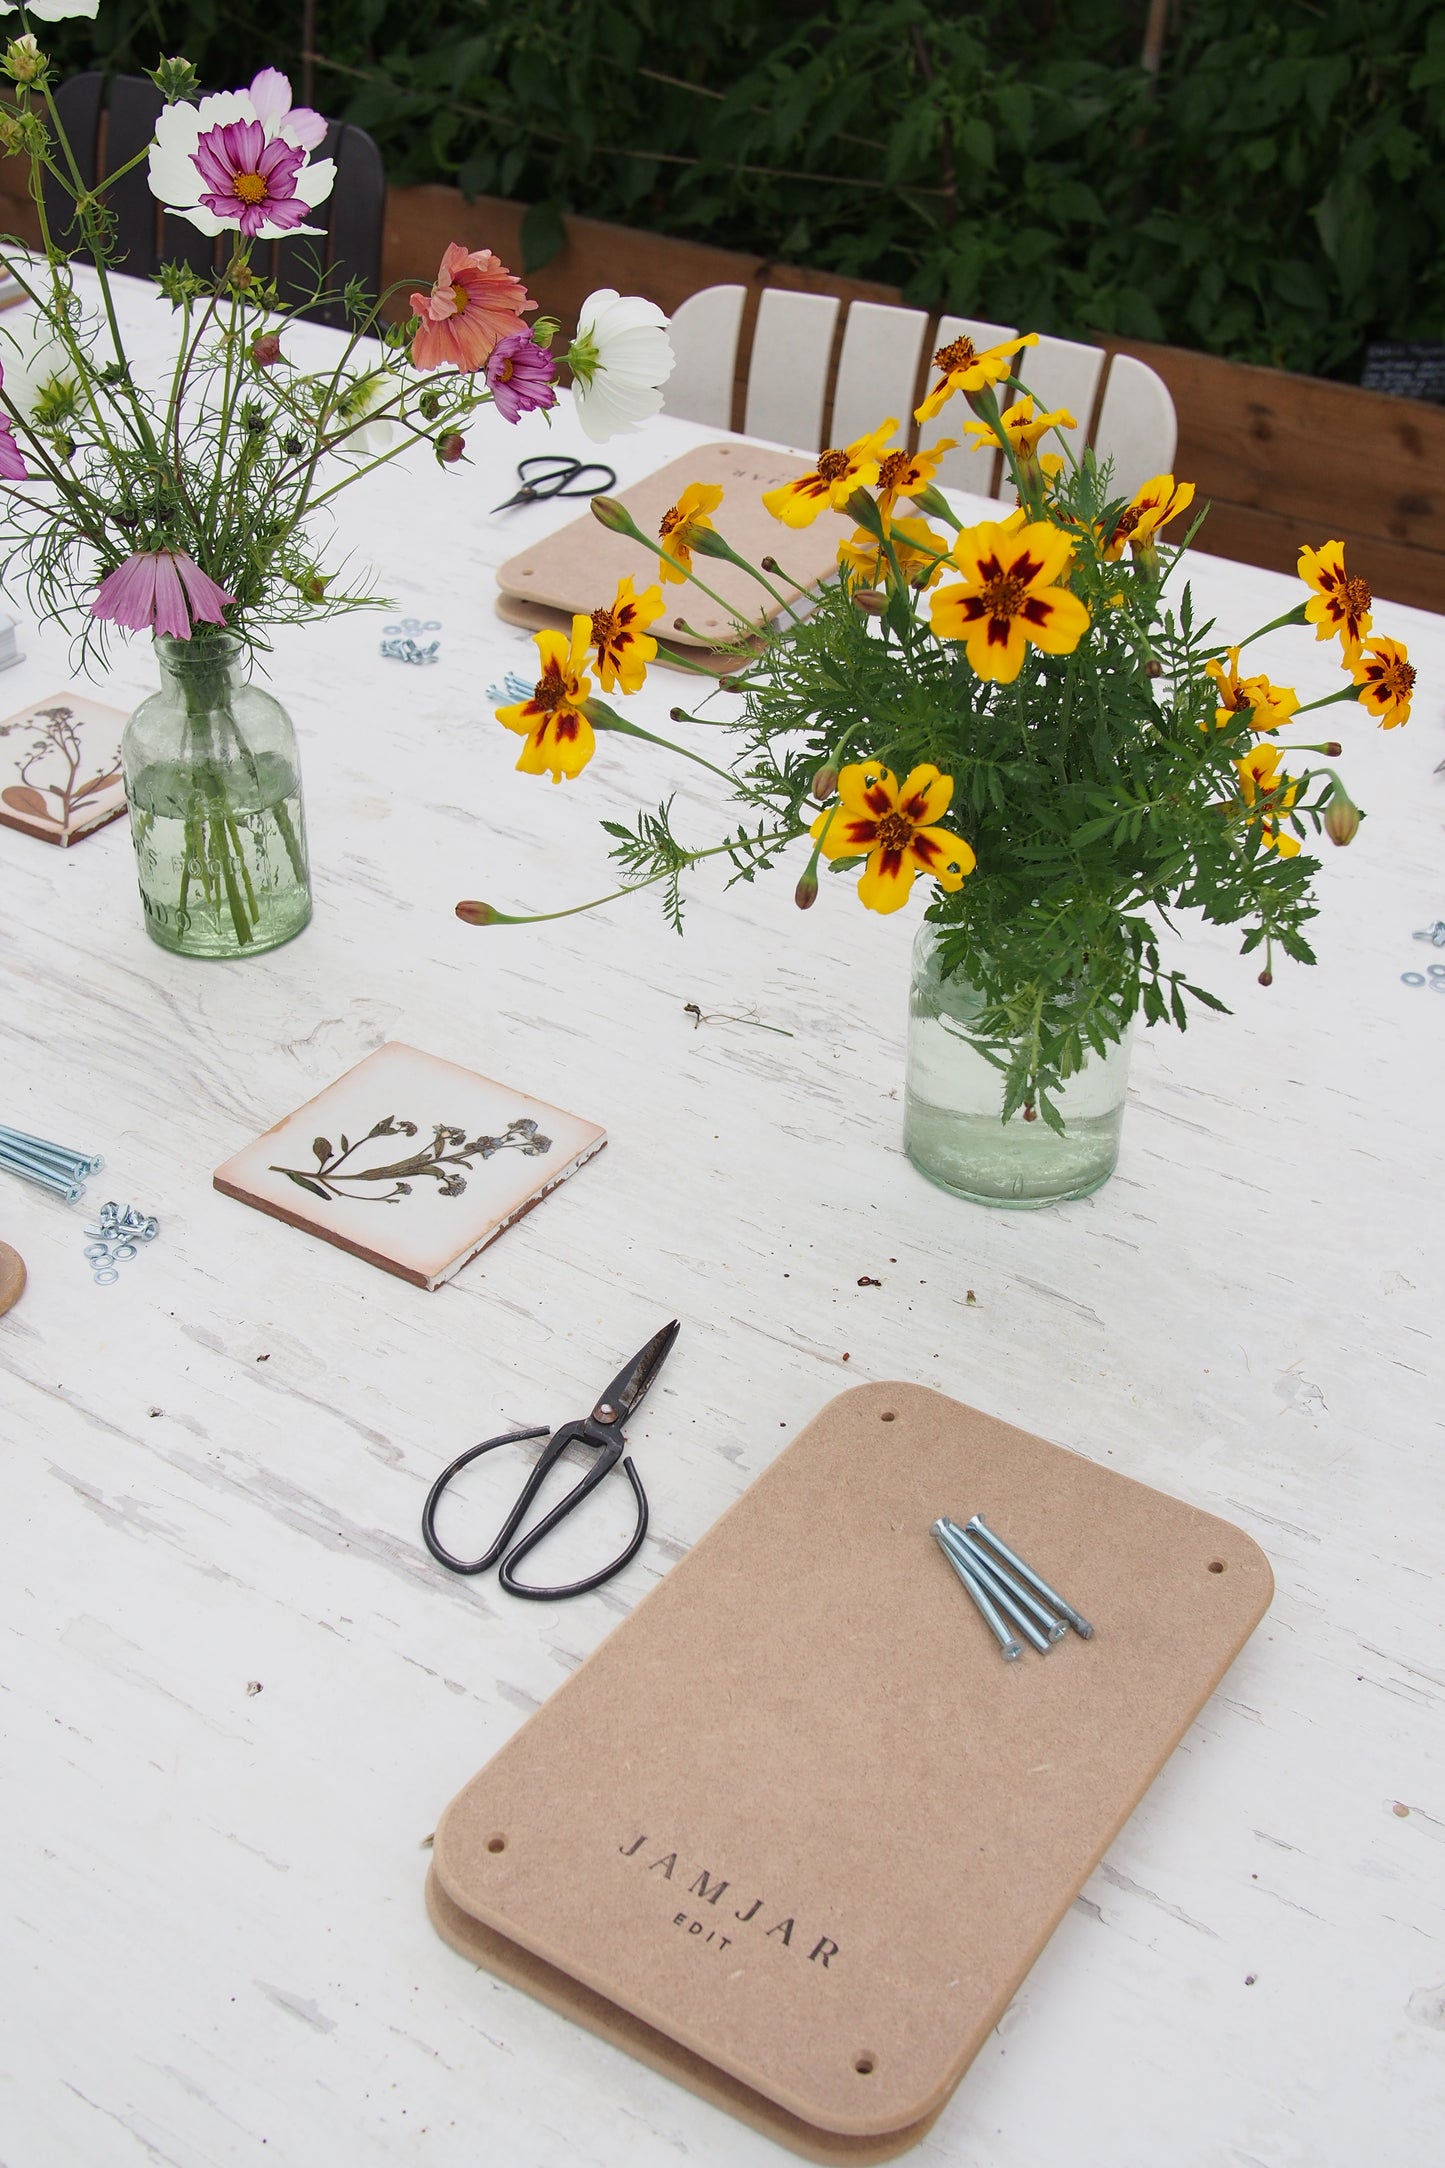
(557, 475)
(601, 1429)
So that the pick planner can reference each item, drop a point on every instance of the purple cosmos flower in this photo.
(160, 591)
(520, 374)
(12, 463)
(247, 179)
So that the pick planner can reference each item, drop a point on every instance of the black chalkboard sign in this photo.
(1406, 368)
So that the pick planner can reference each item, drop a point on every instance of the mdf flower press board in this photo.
(796, 1832)
(578, 568)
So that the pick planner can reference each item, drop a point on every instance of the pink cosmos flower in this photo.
(270, 96)
(160, 591)
(474, 304)
(12, 462)
(248, 180)
(520, 374)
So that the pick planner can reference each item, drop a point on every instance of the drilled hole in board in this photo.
(888, 1416)
(1216, 1565)
(865, 2066)
(496, 1844)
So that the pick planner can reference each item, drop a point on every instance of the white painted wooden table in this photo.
(236, 1693)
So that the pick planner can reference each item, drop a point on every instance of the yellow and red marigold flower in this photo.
(895, 830)
(1386, 677)
(1341, 600)
(922, 554)
(620, 638)
(962, 367)
(559, 737)
(1272, 705)
(832, 482)
(1024, 428)
(1262, 786)
(1012, 593)
(1149, 509)
(903, 474)
(681, 522)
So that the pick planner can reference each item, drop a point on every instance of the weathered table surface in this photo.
(237, 1693)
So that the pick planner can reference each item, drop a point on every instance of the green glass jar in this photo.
(953, 1129)
(214, 787)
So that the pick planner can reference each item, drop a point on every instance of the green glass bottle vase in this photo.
(214, 787)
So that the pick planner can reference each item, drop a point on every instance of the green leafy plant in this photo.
(1275, 193)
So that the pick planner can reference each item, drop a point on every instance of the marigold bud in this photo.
(825, 782)
(1266, 978)
(770, 564)
(450, 447)
(475, 914)
(612, 514)
(1031, 1114)
(869, 601)
(266, 350)
(861, 507)
(1333, 749)
(1342, 819)
(1153, 668)
(805, 895)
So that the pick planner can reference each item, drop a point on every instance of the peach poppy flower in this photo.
(474, 303)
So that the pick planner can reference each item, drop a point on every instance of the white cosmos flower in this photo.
(177, 179)
(362, 397)
(620, 360)
(53, 11)
(36, 362)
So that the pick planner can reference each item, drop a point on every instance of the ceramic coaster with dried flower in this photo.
(411, 1162)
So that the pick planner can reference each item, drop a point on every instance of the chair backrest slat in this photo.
(788, 368)
(135, 107)
(1063, 373)
(877, 370)
(704, 331)
(1138, 428)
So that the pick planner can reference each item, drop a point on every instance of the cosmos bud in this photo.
(450, 447)
(266, 350)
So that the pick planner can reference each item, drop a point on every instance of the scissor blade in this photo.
(632, 1381)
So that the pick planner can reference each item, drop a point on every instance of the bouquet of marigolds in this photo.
(189, 502)
(1017, 712)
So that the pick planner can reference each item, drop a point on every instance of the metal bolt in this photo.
(1434, 933)
(993, 1588)
(75, 1162)
(1012, 1649)
(1054, 1628)
(606, 1413)
(40, 1172)
(978, 1526)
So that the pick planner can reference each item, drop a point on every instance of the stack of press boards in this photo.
(794, 1834)
(578, 568)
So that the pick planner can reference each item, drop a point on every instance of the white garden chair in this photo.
(879, 374)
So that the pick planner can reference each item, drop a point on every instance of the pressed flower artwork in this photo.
(410, 1162)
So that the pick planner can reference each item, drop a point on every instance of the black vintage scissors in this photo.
(555, 476)
(602, 1430)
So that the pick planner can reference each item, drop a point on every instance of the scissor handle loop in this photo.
(609, 1450)
(594, 1476)
(433, 1542)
